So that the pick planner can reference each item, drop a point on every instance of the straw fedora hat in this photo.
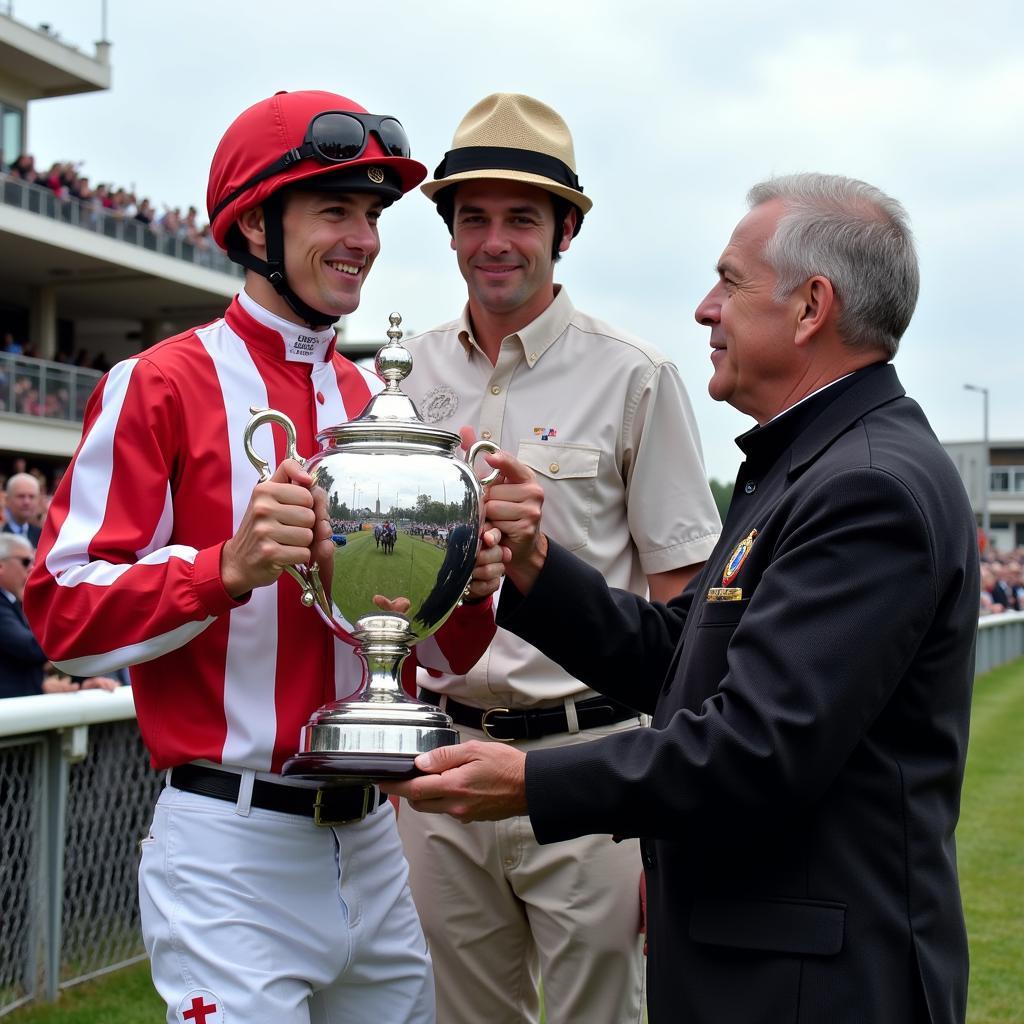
(509, 137)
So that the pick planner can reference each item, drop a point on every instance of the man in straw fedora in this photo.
(599, 415)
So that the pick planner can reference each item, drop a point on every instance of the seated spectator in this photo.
(989, 605)
(25, 168)
(11, 345)
(22, 494)
(24, 668)
(1002, 590)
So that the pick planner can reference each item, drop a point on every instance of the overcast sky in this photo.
(676, 109)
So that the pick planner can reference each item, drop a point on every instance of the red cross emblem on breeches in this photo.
(200, 1006)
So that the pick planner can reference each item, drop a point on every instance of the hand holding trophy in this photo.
(376, 596)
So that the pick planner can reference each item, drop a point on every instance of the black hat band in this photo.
(493, 158)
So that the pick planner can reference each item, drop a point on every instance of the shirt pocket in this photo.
(568, 474)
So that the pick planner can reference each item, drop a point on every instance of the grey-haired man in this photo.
(798, 791)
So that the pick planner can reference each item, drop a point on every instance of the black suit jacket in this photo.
(33, 535)
(21, 657)
(797, 795)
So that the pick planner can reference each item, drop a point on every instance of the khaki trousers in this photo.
(502, 913)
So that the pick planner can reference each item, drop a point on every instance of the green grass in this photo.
(990, 842)
(125, 997)
(411, 569)
(991, 853)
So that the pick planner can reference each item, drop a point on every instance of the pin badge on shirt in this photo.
(737, 558)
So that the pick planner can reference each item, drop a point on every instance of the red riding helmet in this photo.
(282, 140)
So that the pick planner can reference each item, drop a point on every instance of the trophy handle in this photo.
(303, 575)
(475, 450)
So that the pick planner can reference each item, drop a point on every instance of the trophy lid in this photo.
(391, 415)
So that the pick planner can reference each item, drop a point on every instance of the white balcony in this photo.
(36, 64)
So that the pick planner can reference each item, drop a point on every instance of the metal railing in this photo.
(1000, 639)
(38, 387)
(45, 202)
(77, 794)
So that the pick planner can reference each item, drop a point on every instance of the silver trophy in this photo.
(390, 583)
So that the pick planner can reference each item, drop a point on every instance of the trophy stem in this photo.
(384, 659)
(376, 733)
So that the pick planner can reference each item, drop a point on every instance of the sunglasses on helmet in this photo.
(333, 137)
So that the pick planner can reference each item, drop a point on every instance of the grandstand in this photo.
(81, 286)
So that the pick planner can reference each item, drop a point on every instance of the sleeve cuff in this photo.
(544, 597)
(209, 587)
(678, 556)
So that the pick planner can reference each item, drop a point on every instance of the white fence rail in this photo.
(1000, 639)
(76, 795)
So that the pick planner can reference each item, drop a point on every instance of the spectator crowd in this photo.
(66, 181)
(1002, 582)
(63, 397)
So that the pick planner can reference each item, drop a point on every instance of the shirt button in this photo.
(749, 487)
(486, 435)
(495, 390)
(320, 397)
(554, 467)
(533, 357)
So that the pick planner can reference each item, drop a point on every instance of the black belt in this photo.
(507, 725)
(328, 805)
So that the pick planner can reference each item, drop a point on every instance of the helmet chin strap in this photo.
(273, 268)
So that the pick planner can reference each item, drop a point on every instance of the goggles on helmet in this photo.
(333, 137)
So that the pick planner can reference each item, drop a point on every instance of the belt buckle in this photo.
(318, 808)
(485, 726)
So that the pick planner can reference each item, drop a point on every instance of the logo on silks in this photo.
(200, 1006)
(375, 174)
(737, 558)
(545, 433)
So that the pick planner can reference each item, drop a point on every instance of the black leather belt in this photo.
(328, 805)
(508, 725)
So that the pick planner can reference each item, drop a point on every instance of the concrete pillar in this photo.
(151, 332)
(42, 323)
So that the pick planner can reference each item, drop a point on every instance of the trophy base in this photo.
(371, 738)
(351, 769)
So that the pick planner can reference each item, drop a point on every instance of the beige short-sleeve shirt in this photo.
(605, 422)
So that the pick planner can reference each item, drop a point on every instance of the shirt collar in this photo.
(536, 337)
(807, 398)
(766, 442)
(277, 337)
(10, 597)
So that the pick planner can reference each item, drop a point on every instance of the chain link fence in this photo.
(20, 862)
(74, 803)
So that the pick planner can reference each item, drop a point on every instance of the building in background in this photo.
(1001, 469)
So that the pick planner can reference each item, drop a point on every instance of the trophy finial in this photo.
(394, 333)
(394, 360)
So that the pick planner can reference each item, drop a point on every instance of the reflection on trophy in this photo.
(389, 585)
